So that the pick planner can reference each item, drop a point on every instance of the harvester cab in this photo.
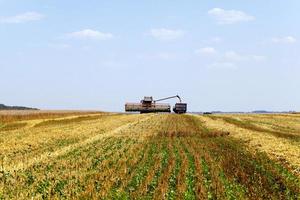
(147, 101)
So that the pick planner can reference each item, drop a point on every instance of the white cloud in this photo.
(206, 51)
(233, 56)
(229, 16)
(90, 34)
(229, 59)
(22, 18)
(284, 40)
(222, 65)
(166, 34)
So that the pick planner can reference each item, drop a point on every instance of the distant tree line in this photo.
(4, 107)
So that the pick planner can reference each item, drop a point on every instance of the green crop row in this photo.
(115, 191)
(190, 175)
(171, 194)
(207, 179)
(142, 171)
(232, 190)
(163, 165)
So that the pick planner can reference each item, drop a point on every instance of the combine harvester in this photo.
(148, 105)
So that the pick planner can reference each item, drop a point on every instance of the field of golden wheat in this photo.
(90, 155)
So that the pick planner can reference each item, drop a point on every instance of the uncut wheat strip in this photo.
(275, 147)
(69, 148)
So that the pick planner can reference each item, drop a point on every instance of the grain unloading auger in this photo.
(148, 105)
(179, 108)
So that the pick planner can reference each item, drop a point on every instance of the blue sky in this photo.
(218, 55)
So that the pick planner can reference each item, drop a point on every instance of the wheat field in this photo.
(90, 155)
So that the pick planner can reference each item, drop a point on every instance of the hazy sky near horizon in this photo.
(218, 55)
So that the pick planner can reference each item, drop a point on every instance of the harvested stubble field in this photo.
(150, 156)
